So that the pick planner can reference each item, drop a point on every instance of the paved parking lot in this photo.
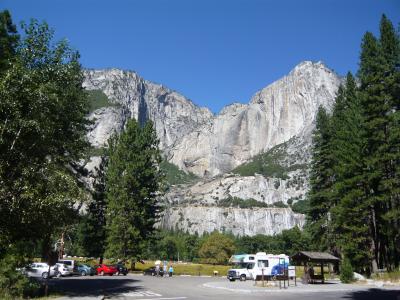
(138, 287)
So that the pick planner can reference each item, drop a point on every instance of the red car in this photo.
(105, 269)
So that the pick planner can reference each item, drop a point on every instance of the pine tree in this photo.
(390, 44)
(133, 183)
(379, 76)
(91, 233)
(320, 194)
(349, 215)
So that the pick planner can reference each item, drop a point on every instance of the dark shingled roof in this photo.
(308, 256)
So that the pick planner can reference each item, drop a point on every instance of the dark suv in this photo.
(121, 269)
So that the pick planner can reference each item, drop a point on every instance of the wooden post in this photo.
(322, 272)
(262, 276)
(305, 276)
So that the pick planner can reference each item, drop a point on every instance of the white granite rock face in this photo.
(200, 219)
(275, 114)
(210, 192)
(210, 146)
(173, 115)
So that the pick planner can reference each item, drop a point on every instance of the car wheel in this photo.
(102, 273)
(111, 274)
(242, 277)
(83, 273)
(125, 274)
(45, 275)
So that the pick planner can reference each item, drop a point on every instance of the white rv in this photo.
(253, 265)
(243, 264)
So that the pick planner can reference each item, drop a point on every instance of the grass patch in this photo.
(174, 175)
(190, 268)
(97, 99)
(388, 276)
(269, 164)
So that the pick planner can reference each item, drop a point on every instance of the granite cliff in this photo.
(277, 124)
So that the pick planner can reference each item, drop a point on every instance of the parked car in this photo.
(86, 270)
(105, 269)
(38, 270)
(121, 269)
(61, 270)
(152, 271)
(71, 264)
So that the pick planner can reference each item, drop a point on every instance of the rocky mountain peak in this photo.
(280, 116)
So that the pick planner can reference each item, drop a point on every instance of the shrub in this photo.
(346, 274)
(14, 284)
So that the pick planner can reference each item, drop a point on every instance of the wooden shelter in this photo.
(308, 257)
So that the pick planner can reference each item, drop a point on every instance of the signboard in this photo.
(292, 271)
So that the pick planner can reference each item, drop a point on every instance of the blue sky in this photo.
(214, 52)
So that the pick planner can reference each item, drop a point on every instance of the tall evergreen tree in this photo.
(133, 183)
(379, 76)
(390, 44)
(91, 231)
(320, 194)
(349, 216)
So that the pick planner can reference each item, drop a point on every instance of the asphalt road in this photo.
(137, 287)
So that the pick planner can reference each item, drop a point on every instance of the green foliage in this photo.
(247, 203)
(188, 245)
(216, 249)
(42, 131)
(174, 175)
(173, 245)
(279, 204)
(88, 236)
(13, 284)
(8, 40)
(133, 182)
(268, 164)
(289, 241)
(320, 182)
(380, 82)
(241, 203)
(346, 272)
(355, 178)
(97, 99)
(301, 206)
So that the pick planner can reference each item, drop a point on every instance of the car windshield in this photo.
(240, 266)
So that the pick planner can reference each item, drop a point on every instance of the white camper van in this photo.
(243, 264)
(259, 264)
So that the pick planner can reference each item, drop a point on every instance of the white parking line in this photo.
(172, 298)
(141, 294)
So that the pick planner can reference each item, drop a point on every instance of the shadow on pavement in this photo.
(94, 286)
(374, 294)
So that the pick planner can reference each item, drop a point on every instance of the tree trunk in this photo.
(374, 250)
(133, 264)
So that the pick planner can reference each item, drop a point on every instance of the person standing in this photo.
(165, 269)
(170, 271)
(157, 270)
